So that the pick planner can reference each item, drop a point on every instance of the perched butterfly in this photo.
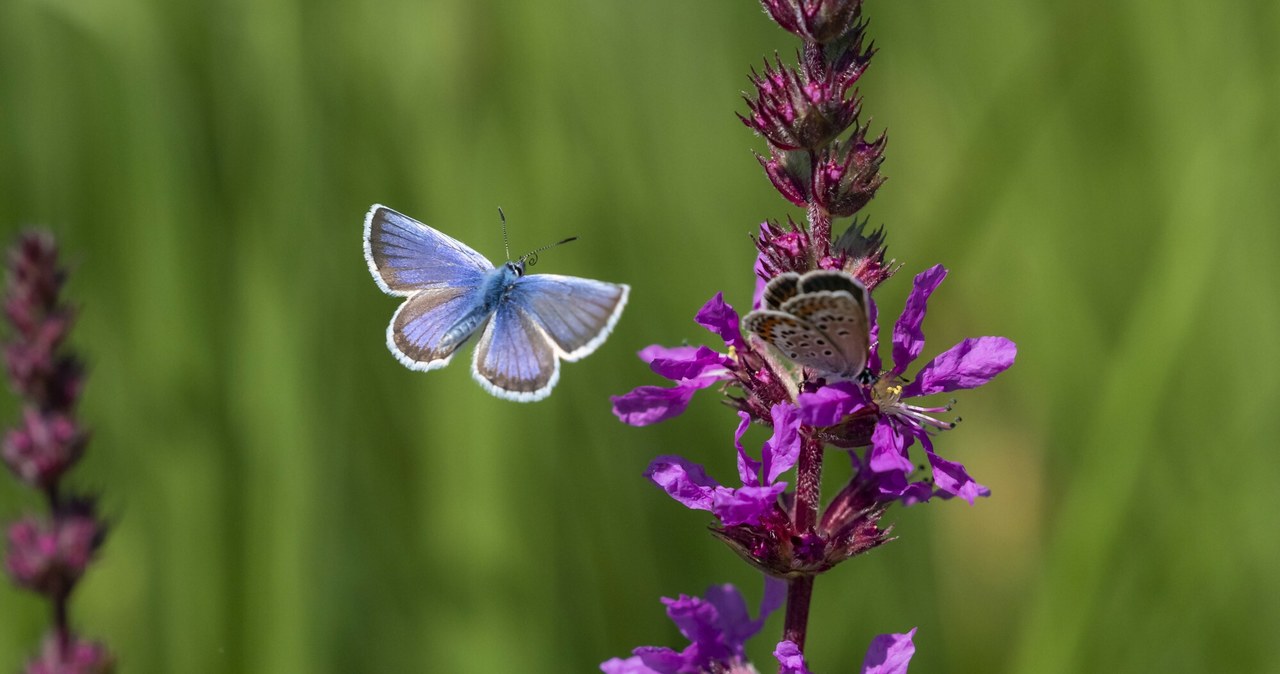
(526, 323)
(819, 320)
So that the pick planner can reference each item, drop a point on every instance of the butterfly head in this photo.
(515, 268)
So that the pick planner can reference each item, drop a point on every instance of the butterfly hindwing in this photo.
(818, 320)
(414, 335)
(577, 314)
(840, 331)
(406, 256)
(514, 359)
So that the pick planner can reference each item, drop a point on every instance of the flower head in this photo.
(41, 449)
(800, 109)
(898, 422)
(816, 20)
(49, 557)
(717, 627)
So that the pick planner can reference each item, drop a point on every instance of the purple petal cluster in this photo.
(692, 369)
(898, 423)
(717, 627)
(48, 555)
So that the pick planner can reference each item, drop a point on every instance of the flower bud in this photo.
(50, 557)
(43, 447)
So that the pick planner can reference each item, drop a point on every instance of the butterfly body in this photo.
(526, 323)
(489, 295)
(819, 320)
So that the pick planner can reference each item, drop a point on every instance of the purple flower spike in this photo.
(47, 556)
(717, 627)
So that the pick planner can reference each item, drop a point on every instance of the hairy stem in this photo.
(808, 499)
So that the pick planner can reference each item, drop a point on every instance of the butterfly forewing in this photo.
(514, 359)
(577, 314)
(780, 289)
(406, 256)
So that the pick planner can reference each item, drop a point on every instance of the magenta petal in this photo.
(951, 477)
(632, 665)
(969, 364)
(775, 595)
(748, 468)
(894, 487)
(699, 621)
(745, 505)
(651, 404)
(683, 481)
(908, 338)
(661, 660)
(873, 358)
(702, 363)
(718, 317)
(889, 449)
(783, 449)
(829, 404)
(790, 659)
(757, 296)
(889, 654)
(655, 351)
(734, 623)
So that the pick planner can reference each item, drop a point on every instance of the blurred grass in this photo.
(1100, 177)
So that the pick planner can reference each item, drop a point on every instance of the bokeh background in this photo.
(1101, 178)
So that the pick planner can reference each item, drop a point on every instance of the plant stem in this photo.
(808, 499)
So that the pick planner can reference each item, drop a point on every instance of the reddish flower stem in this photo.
(808, 500)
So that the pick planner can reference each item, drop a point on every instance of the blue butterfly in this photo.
(526, 323)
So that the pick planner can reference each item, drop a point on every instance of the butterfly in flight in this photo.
(819, 320)
(526, 323)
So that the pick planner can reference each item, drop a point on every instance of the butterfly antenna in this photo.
(531, 258)
(505, 246)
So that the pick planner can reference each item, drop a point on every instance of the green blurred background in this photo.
(1100, 177)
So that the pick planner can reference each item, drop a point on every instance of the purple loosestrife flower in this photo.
(759, 525)
(898, 423)
(48, 555)
(801, 372)
(717, 628)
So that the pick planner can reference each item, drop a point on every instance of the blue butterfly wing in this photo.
(406, 256)
(418, 326)
(577, 314)
(514, 359)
